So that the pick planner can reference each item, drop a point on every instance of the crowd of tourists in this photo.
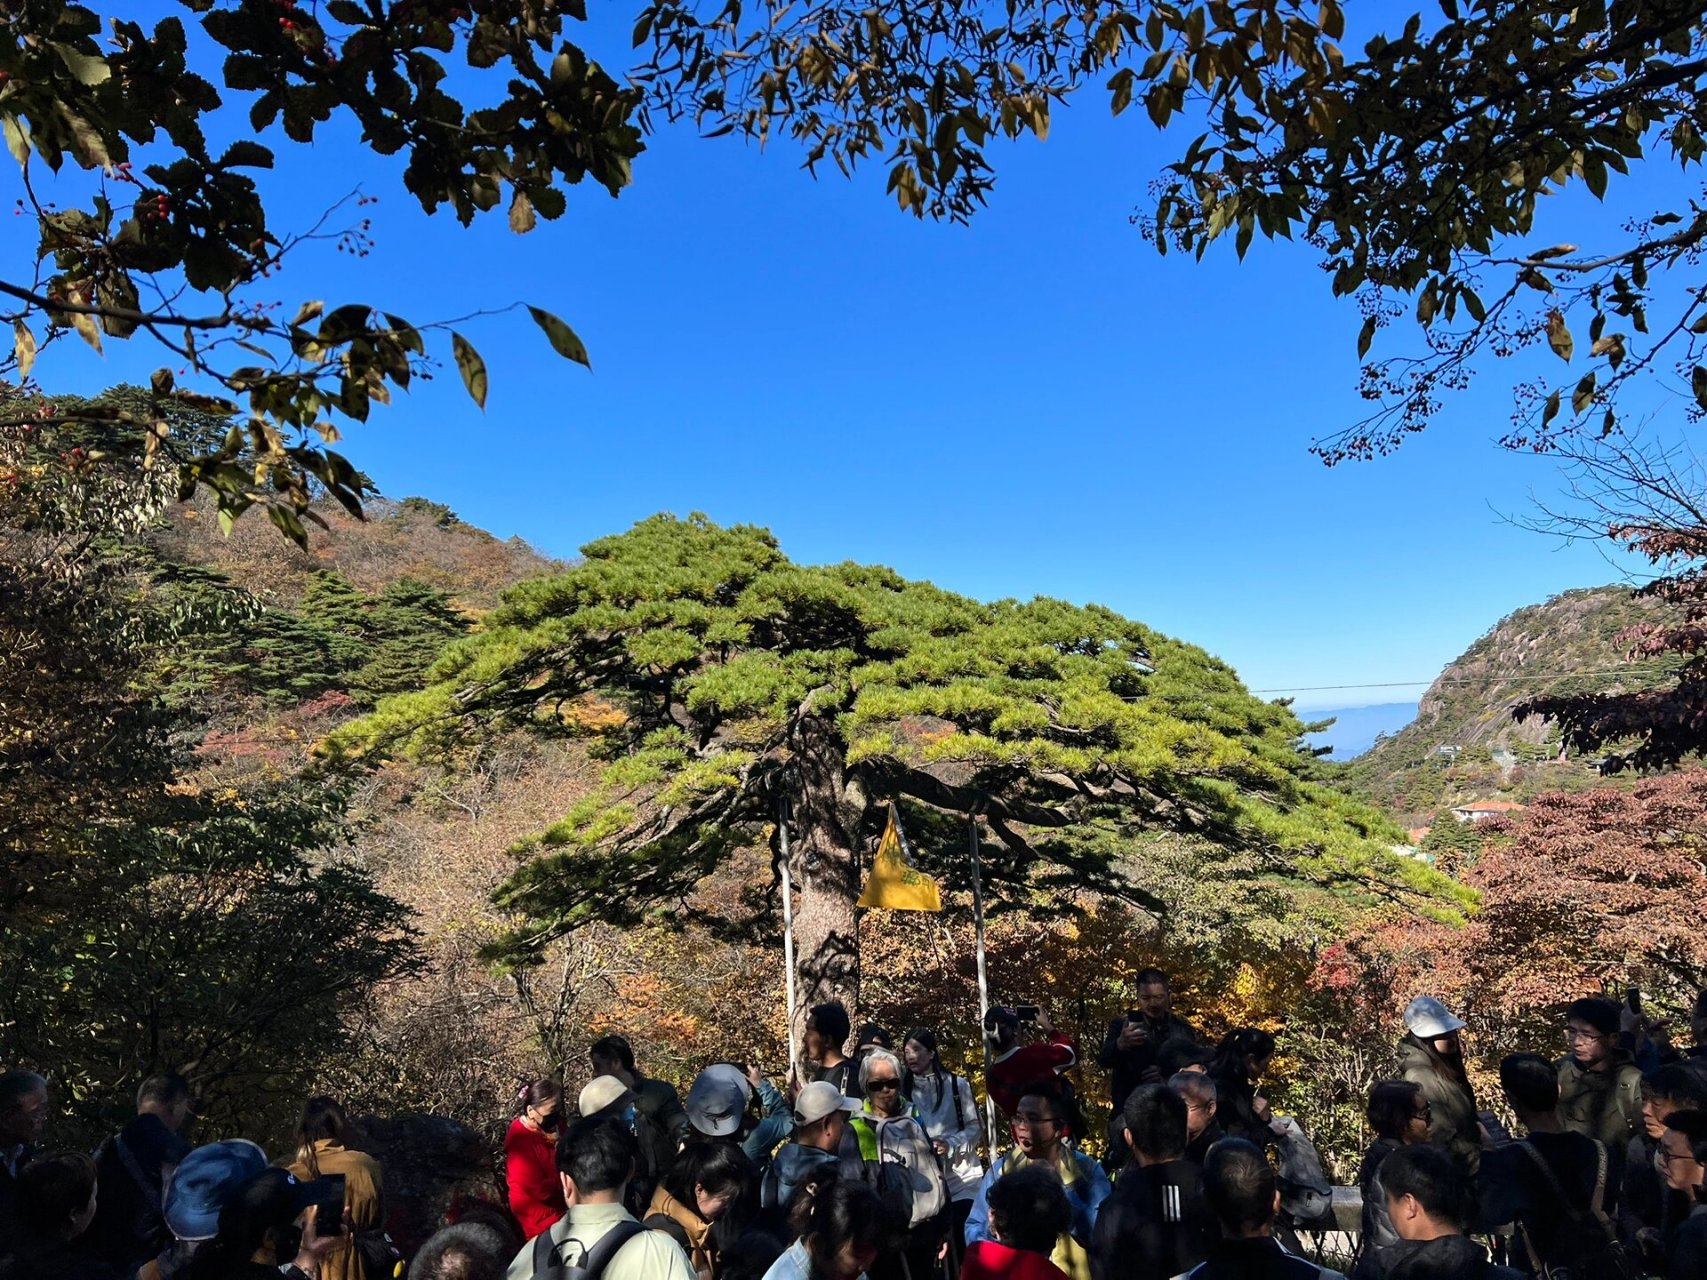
(872, 1166)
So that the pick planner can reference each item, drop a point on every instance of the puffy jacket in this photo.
(1606, 1105)
(1379, 1236)
(897, 1158)
(946, 1109)
(1453, 1123)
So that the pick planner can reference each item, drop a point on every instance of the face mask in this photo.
(551, 1123)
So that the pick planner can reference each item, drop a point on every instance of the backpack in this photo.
(1597, 1239)
(547, 1267)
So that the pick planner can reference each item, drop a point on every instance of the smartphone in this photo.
(1026, 1012)
(1633, 998)
(326, 1194)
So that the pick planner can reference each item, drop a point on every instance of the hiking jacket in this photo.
(130, 1172)
(1453, 1123)
(1261, 1259)
(946, 1109)
(658, 1100)
(695, 1228)
(651, 1255)
(1087, 1186)
(1154, 1225)
(1448, 1258)
(1127, 1066)
(1028, 1064)
(1378, 1236)
(362, 1192)
(788, 1169)
(1606, 1105)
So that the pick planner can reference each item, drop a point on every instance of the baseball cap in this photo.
(602, 1092)
(205, 1181)
(1426, 1018)
(717, 1099)
(819, 1099)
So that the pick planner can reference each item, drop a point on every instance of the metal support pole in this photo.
(788, 944)
(983, 977)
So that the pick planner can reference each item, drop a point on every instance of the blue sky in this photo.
(1035, 404)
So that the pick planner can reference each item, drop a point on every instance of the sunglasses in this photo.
(874, 1086)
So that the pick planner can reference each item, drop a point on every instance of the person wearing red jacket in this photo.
(530, 1157)
(1014, 1066)
(1029, 1213)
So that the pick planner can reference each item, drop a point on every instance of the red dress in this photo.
(530, 1167)
(988, 1260)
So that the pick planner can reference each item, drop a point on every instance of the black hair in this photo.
(464, 1251)
(613, 1049)
(1239, 1186)
(751, 1253)
(1437, 1182)
(1530, 1082)
(1599, 1012)
(873, 1033)
(52, 1190)
(1246, 1042)
(1029, 1209)
(1682, 1083)
(831, 1021)
(597, 1154)
(716, 1166)
(1699, 1009)
(1693, 1126)
(834, 1211)
(1155, 1116)
(1392, 1103)
(267, 1204)
(322, 1118)
(1176, 1053)
(164, 1090)
(1150, 978)
(926, 1038)
(536, 1093)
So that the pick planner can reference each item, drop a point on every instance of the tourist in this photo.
(1243, 1193)
(1029, 1214)
(1431, 1202)
(596, 1159)
(205, 1181)
(707, 1181)
(1016, 1067)
(461, 1251)
(608, 1098)
(1155, 1224)
(945, 1107)
(530, 1157)
(1129, 1050)
(268, 1229)
(1648, 1209)
(56, 1202)
(1600, 1087)
(841, 1228)
(820, 1119)
(322, 1150)
(721, 1105)
(23, 1120)
(1202, 1100)
(1239, 1064)
(1682, 1159)
(1040, 1131)
(827, 1030)
(897, 1159)
(1431, 1056)
(133, 1166)
(1398, 1115)
(655, 1099)
(1560, 1189)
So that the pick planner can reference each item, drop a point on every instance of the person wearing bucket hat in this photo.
(821, 1114)
(203, 1182)
(268, 1227)
(1431, 1056)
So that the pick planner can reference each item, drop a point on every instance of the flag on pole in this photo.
(895, 883)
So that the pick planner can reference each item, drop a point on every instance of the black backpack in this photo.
(547, 1267)
(1603, 1258)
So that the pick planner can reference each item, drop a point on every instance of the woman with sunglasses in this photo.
(1399, 1115)
(897, 1159)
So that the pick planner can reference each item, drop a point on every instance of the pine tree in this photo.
(722, 679)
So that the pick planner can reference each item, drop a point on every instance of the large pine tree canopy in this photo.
(716, 676)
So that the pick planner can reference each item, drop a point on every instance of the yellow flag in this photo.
(894, 882)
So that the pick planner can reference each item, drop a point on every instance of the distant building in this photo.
(1485, 810)
(1447, 751)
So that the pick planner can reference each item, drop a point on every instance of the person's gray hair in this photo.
(15, 1086)
(463, 1251)
(1193, 1084)
(878, 1055)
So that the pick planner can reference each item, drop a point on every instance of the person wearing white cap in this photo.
(609, 1097)
(1431, 1057)
(820, 1118)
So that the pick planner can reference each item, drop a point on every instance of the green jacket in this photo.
(1453, 1122)
(1605, 1105)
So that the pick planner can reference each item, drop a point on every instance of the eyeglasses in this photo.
(874, 1086)
(1573, 1033)
(1023, 1121)
(1426, 1112)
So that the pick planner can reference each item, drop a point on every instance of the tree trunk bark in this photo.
(825, 866)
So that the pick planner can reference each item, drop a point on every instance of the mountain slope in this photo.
(1464, 744)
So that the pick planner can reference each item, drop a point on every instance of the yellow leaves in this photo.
(592, 714)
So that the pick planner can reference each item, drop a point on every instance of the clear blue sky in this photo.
(1036, 404)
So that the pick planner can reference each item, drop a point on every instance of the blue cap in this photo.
(205, 1181)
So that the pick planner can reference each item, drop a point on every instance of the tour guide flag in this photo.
(895, 882)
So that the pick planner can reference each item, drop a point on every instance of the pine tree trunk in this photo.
(826, 865)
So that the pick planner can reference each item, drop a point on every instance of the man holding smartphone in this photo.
(1129, 1049)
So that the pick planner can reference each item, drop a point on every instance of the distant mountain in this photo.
(1355, 728)
(1464, 744)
